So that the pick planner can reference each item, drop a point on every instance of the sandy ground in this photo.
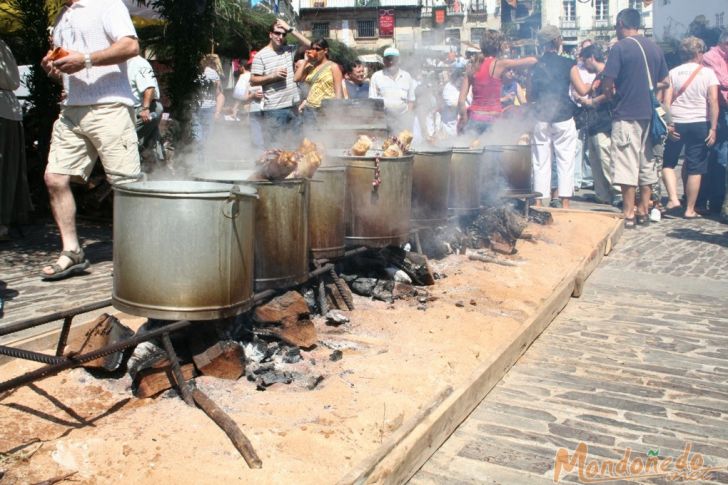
(396, 358)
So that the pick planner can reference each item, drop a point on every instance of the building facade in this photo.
(592, 19)
(407, 24)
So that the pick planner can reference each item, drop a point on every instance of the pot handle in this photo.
(235, 192)
(231, 209)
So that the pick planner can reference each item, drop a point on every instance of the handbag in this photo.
(658, 127)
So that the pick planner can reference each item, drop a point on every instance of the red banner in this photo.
(439, 15)
(386, 23)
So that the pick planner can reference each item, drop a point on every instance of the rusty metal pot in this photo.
(464, 192)
(326, 224)
(509, 167)
(183, 250)
(430, 185)
(377, 215)
(281, 228)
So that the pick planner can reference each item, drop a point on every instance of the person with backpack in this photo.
(635, 68)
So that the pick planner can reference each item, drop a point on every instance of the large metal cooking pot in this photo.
(281, 228)
(326, 227)
(377, 215)
(508, 167)
(183, 250)
(464, 193)
(430, 185)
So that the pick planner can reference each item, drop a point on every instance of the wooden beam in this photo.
(409, 448)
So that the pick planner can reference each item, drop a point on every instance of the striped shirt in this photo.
(279, 94)
(88, 26)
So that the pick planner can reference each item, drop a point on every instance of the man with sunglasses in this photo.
(273, 70)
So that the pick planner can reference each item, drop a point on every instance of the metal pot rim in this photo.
(229, 176)
(432, 150)
(181, 188)
(468, 150)
(341, 155)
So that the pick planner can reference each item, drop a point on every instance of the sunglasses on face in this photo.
(278, 34)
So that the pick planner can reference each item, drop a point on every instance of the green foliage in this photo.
(33, 45)
(186, 37)
(192, 29)
(341, 53)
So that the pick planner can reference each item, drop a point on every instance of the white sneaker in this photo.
(655, 215)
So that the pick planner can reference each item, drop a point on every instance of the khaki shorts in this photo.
(632, 158)
(83, 133)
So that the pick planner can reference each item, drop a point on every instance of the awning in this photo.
(371, 59)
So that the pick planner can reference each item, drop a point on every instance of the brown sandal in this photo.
(78, 265)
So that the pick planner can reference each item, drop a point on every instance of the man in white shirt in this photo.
(97, 116)
(397, 88)
(147, 108)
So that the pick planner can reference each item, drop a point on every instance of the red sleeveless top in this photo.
(486, 104)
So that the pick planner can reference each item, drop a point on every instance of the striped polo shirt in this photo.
(280, 94)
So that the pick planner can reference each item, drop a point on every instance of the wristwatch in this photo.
(290, 29)
(87, 61)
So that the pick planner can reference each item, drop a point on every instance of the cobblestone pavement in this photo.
(23, 292)
(640, 361)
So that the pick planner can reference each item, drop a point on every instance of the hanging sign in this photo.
(439, 16)
(386, 23)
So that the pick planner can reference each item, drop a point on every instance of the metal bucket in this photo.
(183, 250)
(281, 228)
(430, 185)
(377, 216)
(326, 225)
(464, 192)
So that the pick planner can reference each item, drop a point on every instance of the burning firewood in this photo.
(362, 146)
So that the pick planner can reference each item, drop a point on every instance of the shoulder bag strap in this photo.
(686, 84)
(318, 72)
(647, 66)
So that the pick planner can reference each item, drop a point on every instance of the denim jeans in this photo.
(281, 125)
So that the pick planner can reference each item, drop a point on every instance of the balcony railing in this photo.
(451, 10)
(568, 22)
(357, 3)
(602, 23)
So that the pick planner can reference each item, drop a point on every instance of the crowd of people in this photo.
(592, 113)
(600, 111)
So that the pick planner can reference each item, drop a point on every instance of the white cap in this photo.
(391, 52)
